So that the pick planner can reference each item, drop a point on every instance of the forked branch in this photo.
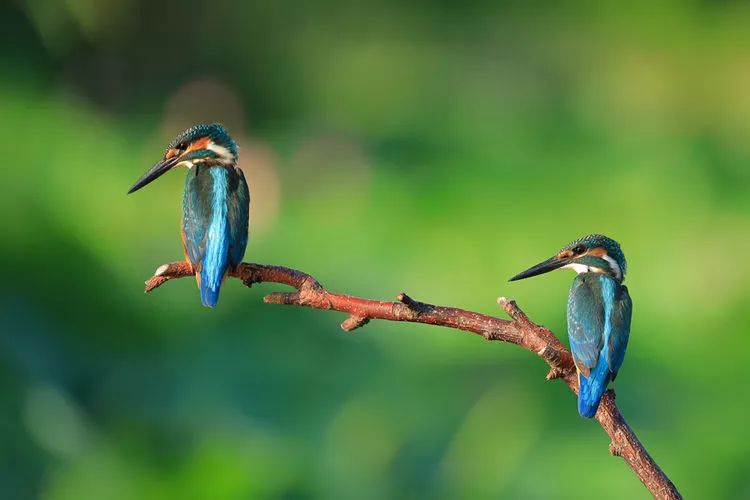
(519, 330)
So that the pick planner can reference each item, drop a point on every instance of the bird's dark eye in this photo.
(182, 146)
(579, 249)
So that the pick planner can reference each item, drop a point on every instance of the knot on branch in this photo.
(405, 299)
(283, 298)
(414, 305)
(413, 310)
(555, 373)
(559, 360)
(307, 297)
(310, 283)
(615, 449)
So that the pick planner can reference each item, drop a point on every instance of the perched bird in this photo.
(215, 207)
(599, 310)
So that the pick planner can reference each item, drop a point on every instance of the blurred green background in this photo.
(435, 148)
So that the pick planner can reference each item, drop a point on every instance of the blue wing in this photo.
(214, 226)
(238, 209)
(598, 327)
(196, 216)
(619, 330)
(586, 320)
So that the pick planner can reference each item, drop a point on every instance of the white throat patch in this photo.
(224, 155)
(579, 268)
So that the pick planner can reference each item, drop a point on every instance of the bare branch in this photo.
(520, 330)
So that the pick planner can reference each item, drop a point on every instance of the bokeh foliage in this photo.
(431, 147)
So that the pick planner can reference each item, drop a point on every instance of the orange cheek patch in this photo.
(598, 252)
(199, 144)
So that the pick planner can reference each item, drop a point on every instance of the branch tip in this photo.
(516, 314)
(154, 282)
(353, 322)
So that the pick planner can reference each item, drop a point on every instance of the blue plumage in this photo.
(215, 206)
(591, 389)
(599, 312)
(598, 328)
(215, 218)
(215, 258)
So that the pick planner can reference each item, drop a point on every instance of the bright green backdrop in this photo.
(435, 148)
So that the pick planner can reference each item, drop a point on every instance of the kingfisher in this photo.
(215, 205)
(599, 311)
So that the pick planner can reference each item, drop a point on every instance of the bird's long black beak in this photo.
(543, 267)
(155, 172)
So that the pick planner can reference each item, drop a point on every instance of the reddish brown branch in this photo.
(520, 330)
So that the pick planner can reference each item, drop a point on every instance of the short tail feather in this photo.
(211, 278)
(209, 296)
(591, 389)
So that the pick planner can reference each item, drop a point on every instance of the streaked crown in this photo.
(203, 142)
